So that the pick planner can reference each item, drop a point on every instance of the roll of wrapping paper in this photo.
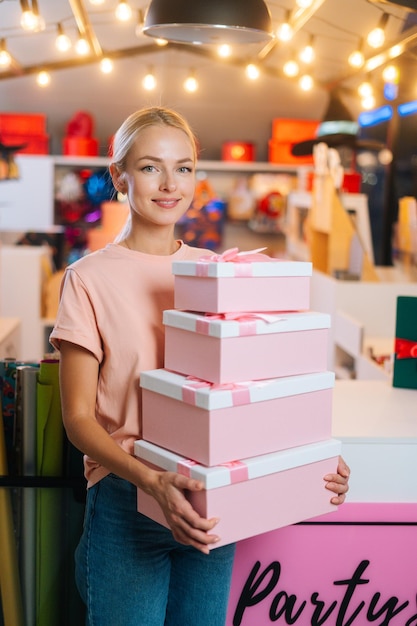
(11, 596)
(50, 443)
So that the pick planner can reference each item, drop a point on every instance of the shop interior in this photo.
(306, 118)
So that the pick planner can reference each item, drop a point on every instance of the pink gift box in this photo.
(254, 495)
(213, 424)
(223, 286)
(250, 347)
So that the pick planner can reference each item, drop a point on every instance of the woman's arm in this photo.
(79, 372)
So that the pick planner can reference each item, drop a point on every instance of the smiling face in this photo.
(160, 175)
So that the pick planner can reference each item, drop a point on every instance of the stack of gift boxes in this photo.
(244, 401)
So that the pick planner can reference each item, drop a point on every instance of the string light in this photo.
(368, 102)
(365, 89)
(28, 20)
(376, 38)
(43, 78)
(62, 41)
(123, 11)
(252, 71)
(291, 68)
(390, 74)
(304, 4)
(161, 42)
(82, 47)
(224, 51)
(106, 65)
(149, 80)
(5, 56)
(307, 54)
(306, 82)
(191, 83)
(285, 31)
(356, 58)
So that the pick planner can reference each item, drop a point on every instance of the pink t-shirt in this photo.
(111, 304)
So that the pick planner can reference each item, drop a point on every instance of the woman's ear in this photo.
(118, 179)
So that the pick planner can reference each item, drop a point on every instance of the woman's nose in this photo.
(168, 183)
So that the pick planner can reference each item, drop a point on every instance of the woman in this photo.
(130, 570)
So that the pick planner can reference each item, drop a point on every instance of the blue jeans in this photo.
(130, 571)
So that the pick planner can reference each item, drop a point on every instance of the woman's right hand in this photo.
(186, 524)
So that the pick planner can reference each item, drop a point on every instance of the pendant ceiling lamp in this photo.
(209, 21)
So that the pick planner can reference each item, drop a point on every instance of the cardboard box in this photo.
(250, 347)
(280, 152)
(239, 285)
(32, 144)
(293, 130)
(254, 495)
(216, 424)
(405, 358)
(23, 124)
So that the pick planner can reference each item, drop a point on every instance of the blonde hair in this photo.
(126, 135)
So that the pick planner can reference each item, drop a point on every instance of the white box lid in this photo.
(237, 471)
(228, 269)
(210, 396)
(235, 325)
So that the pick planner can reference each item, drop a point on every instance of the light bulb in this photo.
(28, 20)
(5, 59)
(368, 102)
(365, 89)
(224, 51)
(123, 11)
(306, 82)
(252, 71)
(285, 32)
(390, 74)
(356, 59)
(62, 41)
(191, 84)
(161, 42)
(304, 4)
(291, 68)
(376, 38)
(307, 54)
(82, 47)
(149, 81)
(106, 65)
(43, 78)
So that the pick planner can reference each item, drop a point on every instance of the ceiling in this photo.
(226, 106)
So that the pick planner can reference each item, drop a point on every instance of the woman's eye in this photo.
(185, 169)
(148, 168)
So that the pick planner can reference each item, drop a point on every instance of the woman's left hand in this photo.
(339, 483)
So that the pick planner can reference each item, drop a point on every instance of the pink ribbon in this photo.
(240, 391)
(238, 471)
(247, 321)
(243, 260)
(184, 467)
(405, 349)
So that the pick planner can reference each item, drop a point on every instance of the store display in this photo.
(24, 132)
(79, 137)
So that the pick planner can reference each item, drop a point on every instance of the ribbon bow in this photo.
(232, 255)
(405, 349)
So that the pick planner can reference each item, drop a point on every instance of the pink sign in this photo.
(355, 567)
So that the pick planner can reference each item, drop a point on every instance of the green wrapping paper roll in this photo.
(405, 360)
(50, 445)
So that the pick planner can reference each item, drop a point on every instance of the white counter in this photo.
(377, 425)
